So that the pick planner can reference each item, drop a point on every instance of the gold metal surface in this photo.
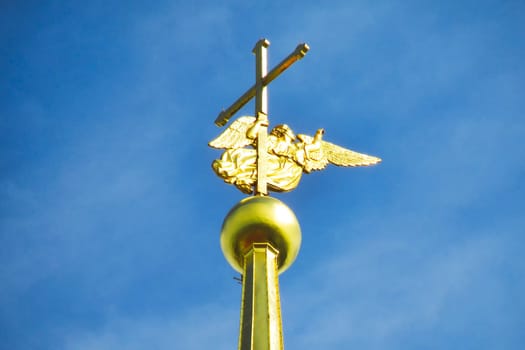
(261, 324)
(260, 219)
(257, 162)
(261, 112)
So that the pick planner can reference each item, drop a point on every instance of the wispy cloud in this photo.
(205, 327)
(378, 291)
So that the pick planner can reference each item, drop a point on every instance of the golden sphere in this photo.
(260, 220)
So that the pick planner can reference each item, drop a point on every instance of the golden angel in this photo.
(288, 155)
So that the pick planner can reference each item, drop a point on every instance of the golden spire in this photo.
(260, 236)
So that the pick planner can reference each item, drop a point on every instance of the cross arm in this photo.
(299, 52)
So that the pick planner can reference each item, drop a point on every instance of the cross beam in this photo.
(299, 52)
(259, 90)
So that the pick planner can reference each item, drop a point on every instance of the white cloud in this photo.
(206, 327)
(377, 291)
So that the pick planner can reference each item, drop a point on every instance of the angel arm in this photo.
(253, 131)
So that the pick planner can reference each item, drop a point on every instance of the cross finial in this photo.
(260, 92)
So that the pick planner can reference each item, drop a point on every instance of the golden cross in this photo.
(259, 90)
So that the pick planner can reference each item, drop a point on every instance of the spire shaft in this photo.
(261, 325)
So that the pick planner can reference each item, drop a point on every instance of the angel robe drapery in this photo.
(239, 167)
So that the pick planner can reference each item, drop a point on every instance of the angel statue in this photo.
(287, 155)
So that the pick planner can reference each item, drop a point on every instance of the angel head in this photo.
(283, 131)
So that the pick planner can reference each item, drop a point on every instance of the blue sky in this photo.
(110, 213)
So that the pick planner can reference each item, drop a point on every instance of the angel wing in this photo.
(327, 152)
(235, 135)
(344, 157)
